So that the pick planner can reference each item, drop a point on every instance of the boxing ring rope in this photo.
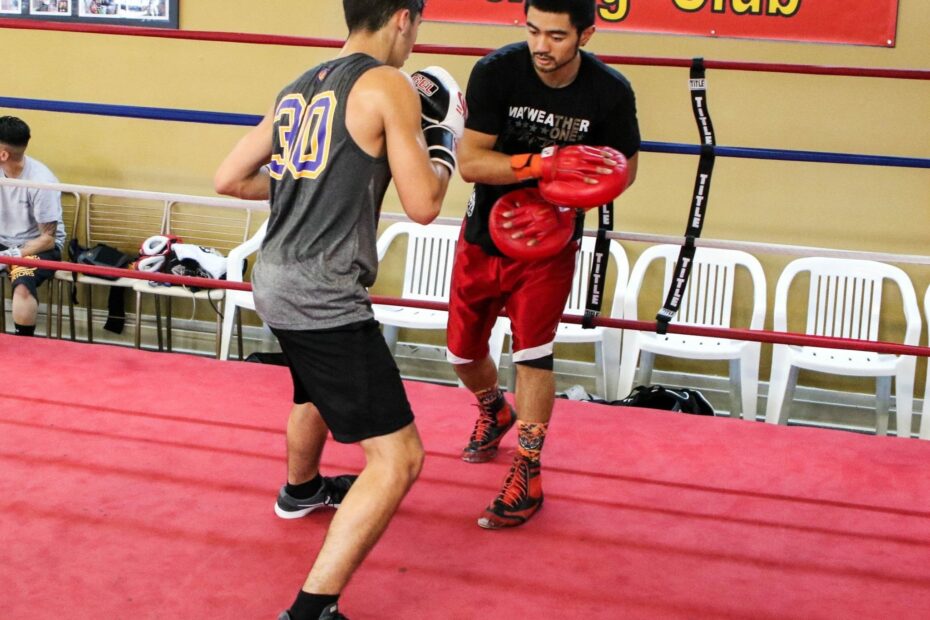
(749, 246)
(207, 201)
(250, 120)
(453, 50)
(755, 335)
(197, 116)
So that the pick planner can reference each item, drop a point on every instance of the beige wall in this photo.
(841, 206)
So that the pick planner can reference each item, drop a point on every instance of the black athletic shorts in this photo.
(30, 277)
(349, 373)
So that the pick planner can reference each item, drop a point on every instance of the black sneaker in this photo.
(330, 494)
(330, 613)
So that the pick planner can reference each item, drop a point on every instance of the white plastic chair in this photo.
(122, 223)
(427, 276)
(236, 300)
(70, 212)
(925, 414)
(606, 340)
(220, 228)
(845, 300)
(708, 302)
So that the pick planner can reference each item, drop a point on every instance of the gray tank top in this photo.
(319, 254)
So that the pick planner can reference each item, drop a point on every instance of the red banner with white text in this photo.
(856, 22)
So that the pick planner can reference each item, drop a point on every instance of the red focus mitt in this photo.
(575, 176)
(525, 227)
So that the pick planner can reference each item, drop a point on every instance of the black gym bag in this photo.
(685, 400)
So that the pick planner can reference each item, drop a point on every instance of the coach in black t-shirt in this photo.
(521, 99)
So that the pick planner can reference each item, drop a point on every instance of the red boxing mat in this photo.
(141, 485)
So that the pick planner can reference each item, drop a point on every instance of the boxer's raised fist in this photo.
(443, 113)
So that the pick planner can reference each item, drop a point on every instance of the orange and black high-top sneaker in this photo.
(519, 499)
(495, 418)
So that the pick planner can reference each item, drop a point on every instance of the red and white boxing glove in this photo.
(444, 113)
(158, 245)
(154, 252)
(575, 176)
(524, 226)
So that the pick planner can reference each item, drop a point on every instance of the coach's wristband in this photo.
(526, 166)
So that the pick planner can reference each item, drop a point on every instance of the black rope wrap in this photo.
(698, 87)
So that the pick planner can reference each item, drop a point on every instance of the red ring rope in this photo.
(753, 335)
(113, 272)
(426, 48)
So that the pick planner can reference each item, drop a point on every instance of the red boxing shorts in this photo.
(533, 292)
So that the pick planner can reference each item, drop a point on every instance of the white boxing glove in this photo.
(158, 245)
(444, 113)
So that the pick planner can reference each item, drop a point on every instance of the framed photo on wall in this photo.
(11, 7)
(148, 13)
(51, 8)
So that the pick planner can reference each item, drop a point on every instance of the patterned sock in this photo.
(24, 330)
(305, 490)
(530, 438)
(310, 606)
(491, 399)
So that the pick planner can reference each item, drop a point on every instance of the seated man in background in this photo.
(30, 221)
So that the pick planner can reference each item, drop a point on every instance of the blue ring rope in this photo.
(250, 120)
(785, 155)
(128, 111)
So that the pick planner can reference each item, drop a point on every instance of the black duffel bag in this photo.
(685, 400)
(101, 255)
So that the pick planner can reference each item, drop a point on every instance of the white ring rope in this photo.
(748, 246)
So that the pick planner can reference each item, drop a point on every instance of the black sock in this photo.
(24, 330)
(305, 490)
(310, 606)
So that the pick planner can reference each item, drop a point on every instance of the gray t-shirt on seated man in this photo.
(22, 209)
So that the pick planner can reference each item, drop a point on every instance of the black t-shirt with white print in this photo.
(507, 99)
